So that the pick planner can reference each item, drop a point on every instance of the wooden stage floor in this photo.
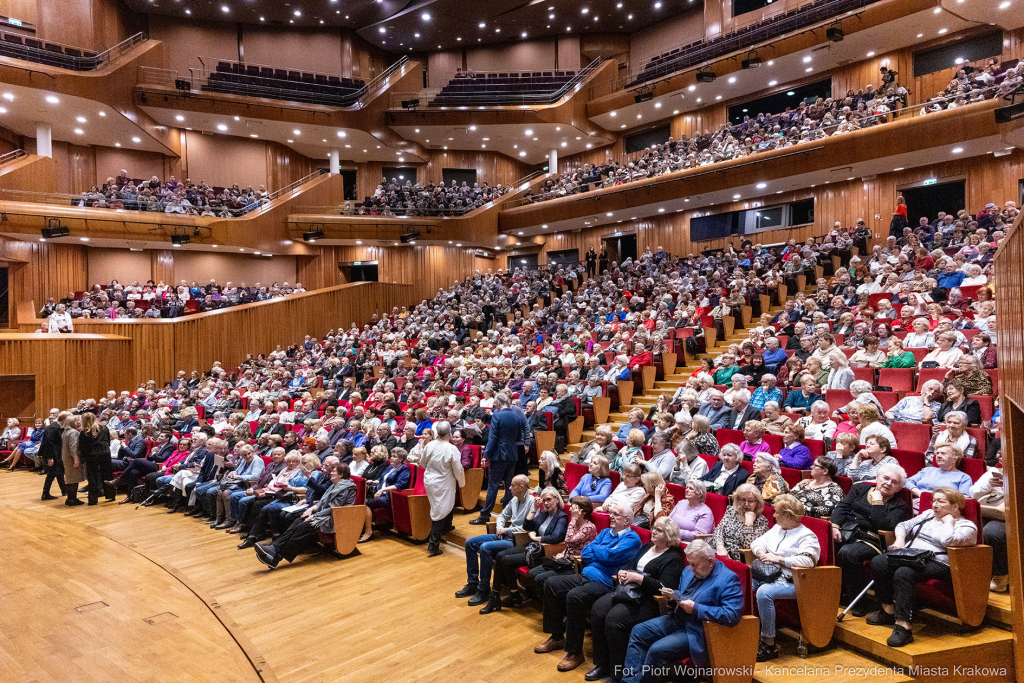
(386, 614)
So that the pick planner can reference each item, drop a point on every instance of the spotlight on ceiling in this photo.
(313, 235)
(57, 230)
(410, 104)
(180, 239)
(409, 237)
(834, 34)
(705, 76)
(644, 96)
(751, 62)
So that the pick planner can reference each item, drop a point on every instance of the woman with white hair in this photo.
(955, 433)
(974, 277)
(946, 354)
(839, 375)
(739, 384)
(767, 477)
(919, 409)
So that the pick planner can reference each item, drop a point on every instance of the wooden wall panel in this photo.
(67, 368)
(988, 179)
(159, 348)
(161, 265)
(39, 270)
(490, 167)
(285, 166)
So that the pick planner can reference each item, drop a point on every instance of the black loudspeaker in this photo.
(182, 84)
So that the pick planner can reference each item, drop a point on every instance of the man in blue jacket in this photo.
(569, 598)
(708, 591)
(500, 454)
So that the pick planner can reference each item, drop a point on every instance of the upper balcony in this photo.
(14, 45)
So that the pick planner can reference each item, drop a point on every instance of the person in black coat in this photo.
(657, 566)
(49, 454)
(729, 458)
(547, 526)
(94, 447)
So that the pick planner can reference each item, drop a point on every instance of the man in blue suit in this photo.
(500, 453)
(708, 591)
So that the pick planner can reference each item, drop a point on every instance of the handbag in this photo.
(915, 558)
(765, 572)
(848, 530)
(534, 554)
(627, 592)
(558, 564)
(929, 364)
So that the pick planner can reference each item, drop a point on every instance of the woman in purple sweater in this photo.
(794, 453)
(692, 514)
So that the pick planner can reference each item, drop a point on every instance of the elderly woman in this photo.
(701, 437)
(955, 433)
(817, 425)
(595, 484)
(602, 444)
(548, 525)
(958, 401)
(767, 477)
(742, 522)
(972, 376)
(870, 356)
(29, 447)
(839, 375)
(580, 532)
(794, 453)
(941, 527)
(631, 453)
(774, 421)
(801, 401)
(824, 351)
(947, 457)
(753, 442)
(394, 478)
(877, 451)
(898, 357)
(919, 409)
(921, 337)
(871, 424)
(945, 354)
(726, 475)
(656, 566)
(982, 349)
(869, 507)
(740, 383)
(820, 494)
(663, 460)
(692, 515)
(629, 491)
(656, 501)
(787, 545)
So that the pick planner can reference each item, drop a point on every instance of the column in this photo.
(44, 144)
(553, 161)
(334, 156)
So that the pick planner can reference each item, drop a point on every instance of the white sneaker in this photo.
(1000, 584)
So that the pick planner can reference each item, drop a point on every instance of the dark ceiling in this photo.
(441, 24)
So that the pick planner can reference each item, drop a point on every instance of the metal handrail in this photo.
(511, 98)
(291, 187)
(63, 60)
(629, 158)
(737, 39)
(11, 156)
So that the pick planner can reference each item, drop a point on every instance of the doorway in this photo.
(524, 261)
(358, 271)
(929, 200)
(620, 247)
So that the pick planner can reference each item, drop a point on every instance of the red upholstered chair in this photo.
(985, 402)
(897, 379)
(718, 503)
(792, 476)
(469, 495)
(928, 374)
(973, 467)
(410, 509)
(845, 483)
(866, 374)
(888, 399)
(981, 436)
(837, 398)
(574, 472)
(774, 441)
(911, 461)
(814, 610)
(11, 444)
(709, 459)
(724, 436)
(994, 376)
(912, 436)
(815, 446)
(966, 594)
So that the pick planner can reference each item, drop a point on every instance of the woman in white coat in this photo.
(443, 474)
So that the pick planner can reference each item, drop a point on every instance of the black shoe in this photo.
(247, 543)
(71, 502)
(900, 637)
(47, 496)
(479, 521)
(597, 673)
(881, 618)
(478, 599)
(766, 653)
(94, 502)
(468, 590)
(266, 556)
(862, 609)
(493, 603)
(434, 552)
(514, 599)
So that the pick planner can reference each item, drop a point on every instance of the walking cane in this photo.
(855, 601)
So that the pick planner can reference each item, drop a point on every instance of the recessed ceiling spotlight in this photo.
(732, 79)
(585, 10)
(291, 141)
(117, 144)
(179, 117)
(53, 99)
(942, 31)
(425, 16)
(342, 133)
(871, 54)
(692, 88)
(809, 69)
(79, 131)
(772, 83)
(472, 127)
(382, 30)
(253, 135)
(761, 186)
(523, 34)
(609, 214)
(735, 196)
(298, 13)
(482, 25)
(221, 127)
(9, 96)
(1004, 5)
(662, 210)
(937, 10)
(225, 9)
(523, 153)
(551, 16)
(136, 140)
(80, 119)
(807, 59)
(188, 11)
(416, 35)
(958, 150)
(657, 105)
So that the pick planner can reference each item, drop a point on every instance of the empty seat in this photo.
(11, 38)
(51, 47)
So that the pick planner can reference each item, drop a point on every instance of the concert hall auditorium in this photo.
(435, 341)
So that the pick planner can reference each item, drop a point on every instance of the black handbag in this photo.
(915, 558)
(765, 572)
(627, 592)
(534, 554)
(848, 530)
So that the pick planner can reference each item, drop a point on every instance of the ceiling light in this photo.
(222, 127)
(657, 5)
(732, 79)
(79, 131)
(382, 30)
(871, 54)
(771, 62)
(735, 196)
(80, 119)
(1004, 5)
(291, 141)
(790, 93)
(942, 31)
(692, 88)
(136, 139)
(297, 132)
(584, 10)
(84, 239)
(657, 105)
(523, 153)
(416, 35)
(761, 186)
(622, 126)
(179, 117)
(9, 96)
(53, 99)
(565, 144)
(772, 83)
(472, 127)
(117, 144)
(523, 34)
(807, 59)
(589, 145)
(544, 225)
(225, 9)
(262, 19)
(482, 25)
(609, 214)
(957, 150)
(661, 210)
(188, 11)
(809, 69)
(699, 100)
(937, 10)
(425, 16)
(298, 13)
(551, 16)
